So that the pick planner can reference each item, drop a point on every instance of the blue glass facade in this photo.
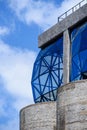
(79, 53)
(48, 72)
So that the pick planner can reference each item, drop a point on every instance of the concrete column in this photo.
(66, 57)
(72, 106)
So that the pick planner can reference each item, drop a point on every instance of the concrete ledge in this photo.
(58, 29)
(71, 85)
(40, 116)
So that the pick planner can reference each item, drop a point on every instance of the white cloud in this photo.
(43, 13)
(16, 70)
(4, 30)
(15, 82)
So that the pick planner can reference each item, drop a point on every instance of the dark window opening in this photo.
(84, 75)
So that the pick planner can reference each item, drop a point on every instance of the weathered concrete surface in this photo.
(41, 116)
(72, 106)
(66, 57)
(60, 27)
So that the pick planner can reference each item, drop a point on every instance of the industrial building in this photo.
(59, 78)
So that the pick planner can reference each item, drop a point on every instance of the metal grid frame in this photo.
(48, 72)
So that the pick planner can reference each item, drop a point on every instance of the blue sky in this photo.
(21, 21)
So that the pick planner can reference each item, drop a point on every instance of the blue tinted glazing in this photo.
(48, 72)
(79, 53)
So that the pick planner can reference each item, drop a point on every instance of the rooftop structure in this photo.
(60, 60)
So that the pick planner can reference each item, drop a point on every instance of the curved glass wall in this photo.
(48, 72)
(79, 53)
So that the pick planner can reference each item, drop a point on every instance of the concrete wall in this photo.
(70, 113)
(72, 106)
(41, 116)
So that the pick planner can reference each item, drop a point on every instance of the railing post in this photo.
(58, 19)
(65, 14)
(73, 9)
(79, 4)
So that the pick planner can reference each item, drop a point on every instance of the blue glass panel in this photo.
(83, 44)
(48, 72)
(76, 45)
(79, 53)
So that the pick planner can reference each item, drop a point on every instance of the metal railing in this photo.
(70, 11)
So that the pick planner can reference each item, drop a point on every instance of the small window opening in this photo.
(84, 75)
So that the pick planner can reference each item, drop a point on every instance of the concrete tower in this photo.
(69, 111)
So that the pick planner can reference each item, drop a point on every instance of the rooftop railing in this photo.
(70, 11)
